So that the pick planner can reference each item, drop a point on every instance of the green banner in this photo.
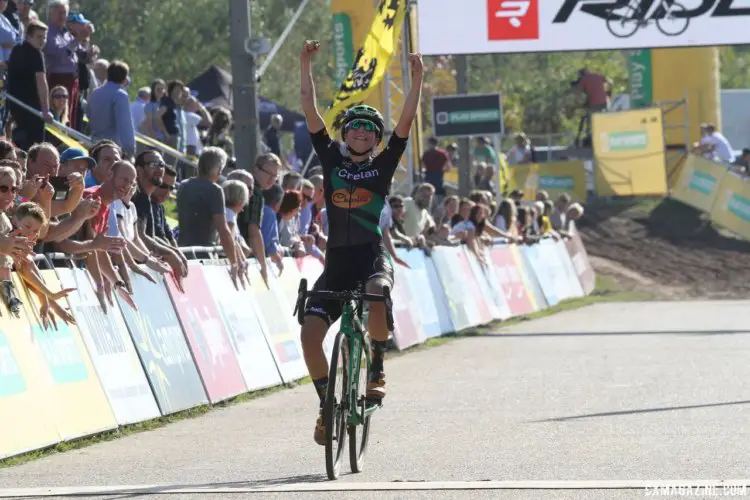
(641, 78)
(343, 46)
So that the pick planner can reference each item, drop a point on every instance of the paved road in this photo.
(636, 391)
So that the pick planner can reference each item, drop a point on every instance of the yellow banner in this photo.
(75, 395)
(732, 208)
(629, 153)
(64, 138)
(699, 183)
(555, 178)
(370, 62)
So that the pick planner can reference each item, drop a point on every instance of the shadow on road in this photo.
(635, 412)
(595, 334)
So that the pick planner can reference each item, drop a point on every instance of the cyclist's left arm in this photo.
(412, 101)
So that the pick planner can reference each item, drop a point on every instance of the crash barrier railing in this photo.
(176, 351)
(717, 189)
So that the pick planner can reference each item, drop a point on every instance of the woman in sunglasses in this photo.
(58, 104)
(355, 187)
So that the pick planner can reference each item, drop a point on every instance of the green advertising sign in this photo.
(343, 46)
(641, 78)
(627, 141)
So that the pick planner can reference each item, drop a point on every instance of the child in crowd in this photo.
(237, 196)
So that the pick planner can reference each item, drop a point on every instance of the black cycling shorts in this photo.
(346, 267)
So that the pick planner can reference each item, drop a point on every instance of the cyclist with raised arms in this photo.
(355, 185)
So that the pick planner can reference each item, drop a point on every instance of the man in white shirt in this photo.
(137, 107)
(714, 145)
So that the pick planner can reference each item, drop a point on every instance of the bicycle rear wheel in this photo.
(672, 25)
(336, 406)
(358, 447)
(621, 24)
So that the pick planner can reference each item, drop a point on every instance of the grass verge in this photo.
(607, 290)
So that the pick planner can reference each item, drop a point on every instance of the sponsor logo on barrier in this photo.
(626, 141)
(702, 182)
(11, 379)
(343, 198)
(60, 350)
(513, 20)
(556, 182)
(739, 206)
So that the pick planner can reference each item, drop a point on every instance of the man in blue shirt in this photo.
(109, 110)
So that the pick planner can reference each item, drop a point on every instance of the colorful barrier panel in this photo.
(112, 351)
(162, 347)
(732, 207)
(129, 365)
(699, 183)
(206, 336)
(311, 268)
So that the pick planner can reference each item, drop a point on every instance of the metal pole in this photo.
(406, 80)
(282, 38)
(387, 111)
(464, 153)
(244, 86)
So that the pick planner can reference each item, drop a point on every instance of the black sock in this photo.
(378, 355)
(321, 387)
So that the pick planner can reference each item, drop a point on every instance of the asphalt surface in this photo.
(613, 392)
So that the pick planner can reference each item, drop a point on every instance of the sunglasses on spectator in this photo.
(156, 164)
(164, 185)
(6, 189)
(366, 124)
(59, 96)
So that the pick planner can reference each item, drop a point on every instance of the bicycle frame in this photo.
(351, 327)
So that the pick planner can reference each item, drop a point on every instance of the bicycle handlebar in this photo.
(345, 296)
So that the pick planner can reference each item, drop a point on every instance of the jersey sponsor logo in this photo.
(366, 174)
(513, 19)
(343, 198)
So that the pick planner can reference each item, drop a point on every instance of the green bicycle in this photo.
(346, 407)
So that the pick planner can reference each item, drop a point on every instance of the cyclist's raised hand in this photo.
(416, 64)
(309, 49)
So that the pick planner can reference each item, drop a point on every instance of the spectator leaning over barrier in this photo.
(201, 209)
(317, 205)
(12, 246)
(236, 197)
(151, 170)
(162, 232)
(75, 160)
(265, 171)
(507, 217)
(27, 82)
(714, 145)
(272, 198)
(418, 222)
(105, 154)
(385, 224)
(464, 208)
(559, 216)
(288, 222)
(305, 214)
(109, 110)
(398, 217)
(450, 209)
(43, 163)
(292, 181)
(118, 185)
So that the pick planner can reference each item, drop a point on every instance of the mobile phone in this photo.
(62, 187)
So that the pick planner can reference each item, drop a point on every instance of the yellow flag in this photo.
(64, 138)
(371, 62)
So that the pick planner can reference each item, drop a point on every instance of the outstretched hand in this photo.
(417, 65)
(309, 49)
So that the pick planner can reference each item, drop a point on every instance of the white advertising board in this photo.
(507, 26)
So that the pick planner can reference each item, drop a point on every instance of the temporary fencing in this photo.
(179, 351)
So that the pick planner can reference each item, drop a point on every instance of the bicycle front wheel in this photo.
(622, 26)
(358, 447)
(336, 407)
(672, 25)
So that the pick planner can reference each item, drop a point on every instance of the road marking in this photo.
(340, 486)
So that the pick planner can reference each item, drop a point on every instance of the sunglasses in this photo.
(7, 189)
(366, 124)
(156, 164)
(60, 96)
(166, 186)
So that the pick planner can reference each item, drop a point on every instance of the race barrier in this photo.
(555, 178)
(177, 350)
(715, 189)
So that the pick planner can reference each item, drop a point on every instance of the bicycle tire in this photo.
(674, 6)
(335, 411)
(619, 21)
(358, 449)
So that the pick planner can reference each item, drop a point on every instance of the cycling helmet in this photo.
(363, 112)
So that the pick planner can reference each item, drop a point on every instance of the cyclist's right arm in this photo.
(315, 122)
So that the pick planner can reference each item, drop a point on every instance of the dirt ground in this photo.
(667, 248)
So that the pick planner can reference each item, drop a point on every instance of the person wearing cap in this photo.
(75, 160)
(109, 110)
(138, 108)
(66, 38)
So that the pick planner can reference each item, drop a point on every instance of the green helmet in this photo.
(363, 112)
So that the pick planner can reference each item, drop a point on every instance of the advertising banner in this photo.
(468, 115)
(511, 281)
(581, 263)
(732, 209)
(547, 273)
(162, 347)
(484, 315)
(76, 399)
(281, 329)
(249, 342)
(408, 331)
(500, 26)
(419, 284)
(571, 275)
(699, 183)
(26, 415)
(629, 153)
(492, 295)
(438, 294)
(112, 351)
(311, 268)
(463, 309)
(555, 178)
(206, 336)
(523, 263)
(641, 78)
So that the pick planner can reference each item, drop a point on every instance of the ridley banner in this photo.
(506, 26)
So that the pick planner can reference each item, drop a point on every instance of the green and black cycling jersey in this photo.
(355, 193)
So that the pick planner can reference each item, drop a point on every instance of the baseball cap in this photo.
(77, 18)
(77, 154)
